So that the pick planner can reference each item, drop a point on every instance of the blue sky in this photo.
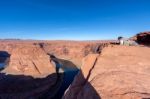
(73, 19)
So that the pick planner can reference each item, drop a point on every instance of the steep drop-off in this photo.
(120, 72)
(32, 70)
(30, 74)
(29, 60)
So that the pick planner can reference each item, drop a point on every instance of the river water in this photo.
(2, 65)
(69, 75)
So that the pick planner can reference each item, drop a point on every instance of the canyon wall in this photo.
(119, 72)
(29, 60)
(29, 74)
(32, 73)
(74, 51)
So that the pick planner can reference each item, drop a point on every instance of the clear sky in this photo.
(73, 19)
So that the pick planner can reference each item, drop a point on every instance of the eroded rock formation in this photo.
(74, 51)
(30, 74)
(116, 72)
(29, 60)
(120, 72)
(142, 38)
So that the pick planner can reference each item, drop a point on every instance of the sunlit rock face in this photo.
(119, 72)
(29, 60)
(74, 51)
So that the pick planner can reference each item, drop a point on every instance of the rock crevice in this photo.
(120, 72)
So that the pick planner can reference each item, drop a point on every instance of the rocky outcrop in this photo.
(120, 72)
(142, 38)
(29, 60)
(30, 74)
(80, 88)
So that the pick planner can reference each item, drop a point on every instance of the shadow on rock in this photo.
(81, 89)
(51, 87)
(27, 87)
(69, 69)
(74, 83)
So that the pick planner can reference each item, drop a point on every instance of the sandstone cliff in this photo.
(74, 51)
(120, 72)
(29, 74)
(32, 73)
(29, 60)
